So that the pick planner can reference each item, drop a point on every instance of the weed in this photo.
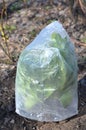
(5, 29)
(83, 39)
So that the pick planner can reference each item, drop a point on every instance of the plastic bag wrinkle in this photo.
(46, 78)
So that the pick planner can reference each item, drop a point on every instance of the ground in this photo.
(27, 23)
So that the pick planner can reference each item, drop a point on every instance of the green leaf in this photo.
(66, 99)
(83, 40)
(10, 28)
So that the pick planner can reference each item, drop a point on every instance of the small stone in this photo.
(81, 37)
(77, 126)
(25, 128)
(12, 121)
(55, 2)
(34, 128)
(61, 12)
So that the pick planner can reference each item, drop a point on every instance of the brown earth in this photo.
(28, 22)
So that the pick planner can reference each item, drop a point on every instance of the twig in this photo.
(83, 6)
(78, 42)
(4, 46)
(4, 50)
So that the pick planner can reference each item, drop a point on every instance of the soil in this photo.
(28, 21)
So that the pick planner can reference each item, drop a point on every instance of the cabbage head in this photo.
(44, 69)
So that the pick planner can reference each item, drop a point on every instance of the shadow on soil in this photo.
(7, 104)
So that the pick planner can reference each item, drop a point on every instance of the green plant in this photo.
(83, 39)
(5, 29)
(47, 69)
(9, 28)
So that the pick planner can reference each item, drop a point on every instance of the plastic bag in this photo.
(46, 80)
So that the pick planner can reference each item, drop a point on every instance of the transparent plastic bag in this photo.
(46, 79)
